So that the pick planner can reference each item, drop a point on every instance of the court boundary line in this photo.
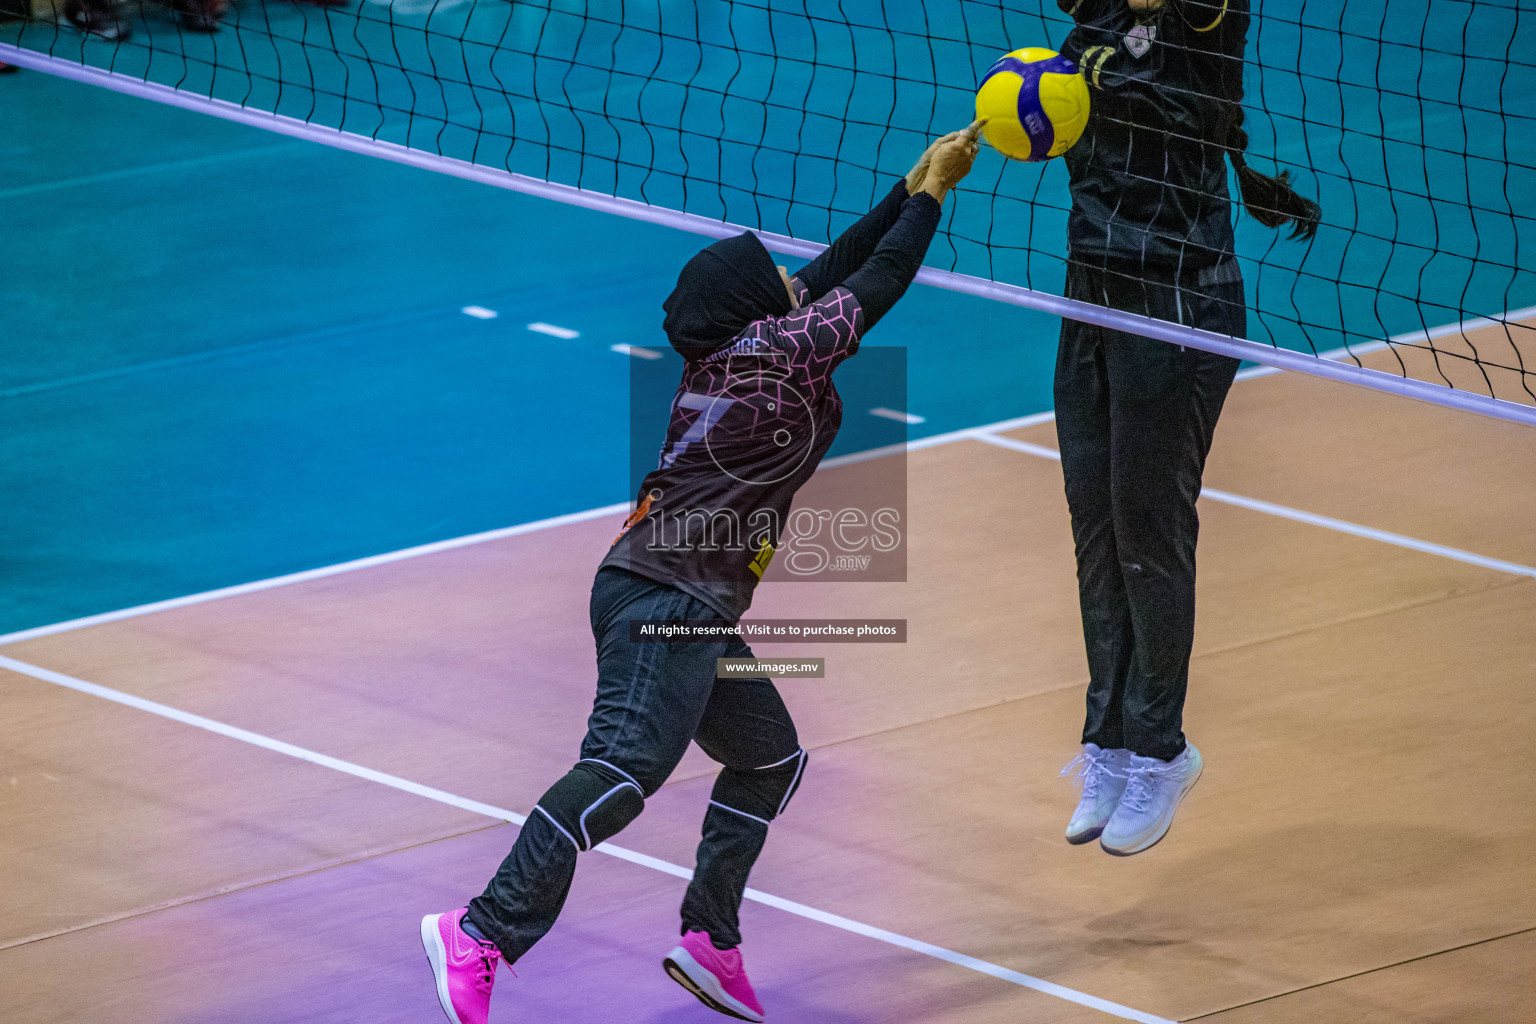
(190, 163)
(305, 575)
(1302, 516)
(1015, 295)
(987, 433)
(621, 853)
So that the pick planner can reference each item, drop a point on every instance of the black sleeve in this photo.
(1078, 10)
(1218, 34)
(1231, 45)
(884, 277)
(1216, 26)
(852, 247)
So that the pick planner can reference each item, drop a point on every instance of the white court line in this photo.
(897, 415)
(932, 441)
(480, 312)
(989, 433)
(1021, 446)
(1300, 516)
(1370, 532)
(236, 590)
(633, 857)
(553, 331)
(314, 574)
(634, 350)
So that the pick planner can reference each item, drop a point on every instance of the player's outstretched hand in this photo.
(919, 172)
(951, 160)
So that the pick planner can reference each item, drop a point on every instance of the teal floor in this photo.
(226, 356)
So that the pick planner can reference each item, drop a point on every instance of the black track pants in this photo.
(653, 699)
(1134, 419)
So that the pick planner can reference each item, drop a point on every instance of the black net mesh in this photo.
(1411, 123)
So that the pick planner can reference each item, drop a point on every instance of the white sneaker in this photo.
(1102, 774)
(1153, 789)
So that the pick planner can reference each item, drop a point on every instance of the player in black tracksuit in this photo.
(1150, 232)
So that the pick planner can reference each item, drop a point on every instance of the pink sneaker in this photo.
(716, 976)
(465, 969)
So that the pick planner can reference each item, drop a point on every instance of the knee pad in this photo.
(591, 804)
(760, 793)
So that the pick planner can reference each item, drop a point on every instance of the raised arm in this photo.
(856, 245)
(885, 275)
(852, 247)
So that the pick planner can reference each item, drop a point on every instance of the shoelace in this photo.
(490, 956)
(1089, 771)
(1138, 784)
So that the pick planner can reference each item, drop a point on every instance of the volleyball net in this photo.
(1412, 123)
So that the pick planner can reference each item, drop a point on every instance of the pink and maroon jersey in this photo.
(751, 421)
(749, 426)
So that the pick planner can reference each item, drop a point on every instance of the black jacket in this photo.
(1149, 176)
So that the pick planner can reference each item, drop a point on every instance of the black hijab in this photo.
(724, 288)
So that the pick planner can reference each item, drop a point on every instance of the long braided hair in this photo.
(1270, 200)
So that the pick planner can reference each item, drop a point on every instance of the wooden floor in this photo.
(1359, 849)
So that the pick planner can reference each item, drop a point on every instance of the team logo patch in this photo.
(759, 565)
(1139, 40)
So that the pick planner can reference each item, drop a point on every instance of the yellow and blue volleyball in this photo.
(1034, 102)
